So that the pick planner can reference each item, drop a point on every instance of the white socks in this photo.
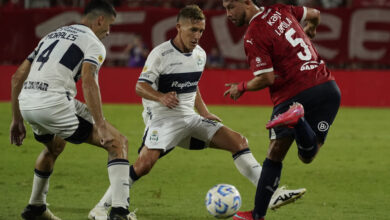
(118, 173)
(40, 188)
(248, 165)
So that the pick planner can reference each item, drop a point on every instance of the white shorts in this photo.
(190, 132)
(69, 120)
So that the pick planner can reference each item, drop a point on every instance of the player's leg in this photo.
(270, 176)
(319, 116)
(39, 121)
(247, 165)
(161, 135)
(44, 166)
(118, 169)
(292, 117)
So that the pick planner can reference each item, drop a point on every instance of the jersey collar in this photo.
(185, 54)
(257, 14)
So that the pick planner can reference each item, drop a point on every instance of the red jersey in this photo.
(275, 41)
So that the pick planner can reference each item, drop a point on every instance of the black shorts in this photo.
(321, 104)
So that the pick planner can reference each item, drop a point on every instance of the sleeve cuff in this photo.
(259, 72)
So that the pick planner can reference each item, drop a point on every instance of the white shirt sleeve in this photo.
(95, 53)
(150, 73)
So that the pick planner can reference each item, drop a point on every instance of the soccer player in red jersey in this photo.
(305, 95)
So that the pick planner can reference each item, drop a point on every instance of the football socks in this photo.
(40, 188)
(306, 139)
(268, 183)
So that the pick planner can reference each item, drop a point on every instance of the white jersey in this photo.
(168, 69)
(56, 66)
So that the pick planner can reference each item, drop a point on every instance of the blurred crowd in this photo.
(204, 4)
(137, 51)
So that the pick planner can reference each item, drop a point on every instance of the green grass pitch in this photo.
(350, 178)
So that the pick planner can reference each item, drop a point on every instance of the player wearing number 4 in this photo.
(305, 96)
(169, 89)
(46, 86)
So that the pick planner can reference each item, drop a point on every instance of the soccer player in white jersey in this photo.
(169, 89)
(43, 91)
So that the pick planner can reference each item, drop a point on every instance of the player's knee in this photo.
(305, 160)
(54, 150)
(240, 145)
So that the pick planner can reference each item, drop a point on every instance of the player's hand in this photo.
(17, 132)
(106, 138)
(233, 91)
(310, 30)
(169, 99)
(211, 116)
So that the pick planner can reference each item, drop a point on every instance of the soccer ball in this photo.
(223, 201)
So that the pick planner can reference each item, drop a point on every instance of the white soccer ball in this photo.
(223, 201)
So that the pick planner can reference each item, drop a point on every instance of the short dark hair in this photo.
(100, 5)
(191, 11)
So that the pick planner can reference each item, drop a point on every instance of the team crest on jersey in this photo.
(144, 69)
(200, 61)
(100, 58)
(154, 137)
(258, 60)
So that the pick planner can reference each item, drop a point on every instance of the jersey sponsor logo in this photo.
(184, 85)
(309, 65)
(323, 126)
(179, 82)
(35, 85)
(258, 60)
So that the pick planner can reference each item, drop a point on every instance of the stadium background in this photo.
(349, 181)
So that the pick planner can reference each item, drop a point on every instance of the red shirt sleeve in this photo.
(298, 12)
(258, 55)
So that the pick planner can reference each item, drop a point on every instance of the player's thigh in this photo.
(202, 129)
(281, 131)
(227, 139)
(120, 141)
(321, 112)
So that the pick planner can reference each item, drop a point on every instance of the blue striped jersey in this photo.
(168, 69)
(56, 65)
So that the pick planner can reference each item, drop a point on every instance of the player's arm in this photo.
(312, 20)
(257, 83)
(93, 100)
(17, 129)
(145, 90)
(202, 109)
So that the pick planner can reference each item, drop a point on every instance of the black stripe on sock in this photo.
(117, 162)
(241, 152)
(42, 174)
